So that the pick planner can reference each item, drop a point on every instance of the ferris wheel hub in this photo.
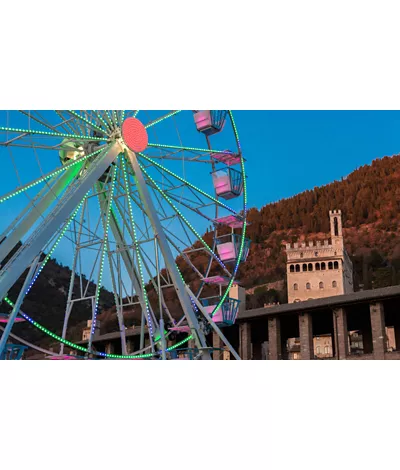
(134, 134)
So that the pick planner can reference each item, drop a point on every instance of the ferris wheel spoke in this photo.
(182, 253)
(162, 118)
(32, 132)
(47, 176)
(69, 123)
(188, 149)
(101, 119)
(190, 185)
(36, 119)
(86, 121)
(182, 217)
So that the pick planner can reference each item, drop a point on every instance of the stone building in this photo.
(321, 269)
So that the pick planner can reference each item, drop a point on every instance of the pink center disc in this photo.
(134, 134)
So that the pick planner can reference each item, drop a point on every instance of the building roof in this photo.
(114, 335)
(326, 302)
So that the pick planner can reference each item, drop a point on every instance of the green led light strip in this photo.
(183, 217)
(86, 121)
(153, 123)
(163, 168)
(52, 134)
(104, 248)
(186, 148)
(139, 259)
(76, 346)
(48, 176)
(107, 127)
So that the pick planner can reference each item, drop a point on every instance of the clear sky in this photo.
(286, 152)
(290, 151)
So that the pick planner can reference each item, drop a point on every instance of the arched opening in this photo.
(335, 265)
(310, 266)
(297, 268)
(330, 265)
(308, 286)
(334, 284)
(304, 267)
(336, 227)
(321, 285)
(323, 266)
(292, 268)
(295, 287)
(317, 266)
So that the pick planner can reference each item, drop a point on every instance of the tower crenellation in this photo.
(320, 269)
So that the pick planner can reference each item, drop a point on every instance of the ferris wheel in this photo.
(147, 205)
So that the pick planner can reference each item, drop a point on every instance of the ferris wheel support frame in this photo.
(179, 285)
(44, 203)
(65, 206)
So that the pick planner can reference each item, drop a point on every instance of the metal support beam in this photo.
(69, 201)
(37, 210)
(167, 254)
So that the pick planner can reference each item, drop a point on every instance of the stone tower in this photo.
(319, 270)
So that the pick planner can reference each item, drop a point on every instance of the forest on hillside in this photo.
(369, 199)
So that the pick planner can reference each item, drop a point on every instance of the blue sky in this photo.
(286, 151)
(290, 151)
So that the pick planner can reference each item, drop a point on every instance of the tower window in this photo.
(323, 266)
(316, 253)
(301, 255)
(310, 266)
(304, 267)
(336, 227)
(317, 266)
(335, 265)
(292, 268)
(308, 286)
(330, 265)
(321, 285)
(295, 287)
(334, 284)
(297, 268)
